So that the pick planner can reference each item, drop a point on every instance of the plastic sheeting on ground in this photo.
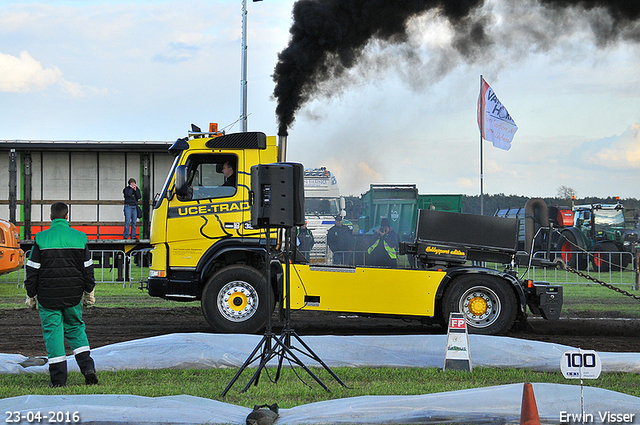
(203, 351)
(200, 350)
(501, 404)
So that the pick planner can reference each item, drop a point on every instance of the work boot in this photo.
(87, 367)
(90, 377)
(58, 374)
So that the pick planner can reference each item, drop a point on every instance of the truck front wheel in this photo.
(487, 303)
(234, 300)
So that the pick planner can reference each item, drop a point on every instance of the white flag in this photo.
(495, 123)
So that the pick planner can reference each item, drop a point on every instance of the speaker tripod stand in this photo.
(281, 347)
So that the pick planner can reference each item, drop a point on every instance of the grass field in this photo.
(292, 390)
(593, 300)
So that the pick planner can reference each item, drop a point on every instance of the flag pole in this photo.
(481, 159)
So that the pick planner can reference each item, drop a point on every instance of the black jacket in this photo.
(305, 239)
(131, 196)
(60, 267)
(340, 239)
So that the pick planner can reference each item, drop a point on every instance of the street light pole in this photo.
(243, 81)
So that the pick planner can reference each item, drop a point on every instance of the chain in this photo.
(561, 264)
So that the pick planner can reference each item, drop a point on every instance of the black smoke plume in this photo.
(328, 37)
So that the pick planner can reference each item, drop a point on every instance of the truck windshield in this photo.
(158, 198)
(606, 219)
(321, 206)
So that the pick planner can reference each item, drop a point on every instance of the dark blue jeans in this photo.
(130, 220)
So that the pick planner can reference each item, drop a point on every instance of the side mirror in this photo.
(182, 188)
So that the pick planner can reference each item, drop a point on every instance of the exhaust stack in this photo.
(282, 147)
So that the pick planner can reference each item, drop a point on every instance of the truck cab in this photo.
(201, 221)
(322, 203)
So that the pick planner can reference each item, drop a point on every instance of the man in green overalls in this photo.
(59, 281)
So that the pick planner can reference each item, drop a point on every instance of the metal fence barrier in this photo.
(109, 266)
(139, 262)
(613, 273)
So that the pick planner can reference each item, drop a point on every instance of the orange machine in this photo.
(11, 256)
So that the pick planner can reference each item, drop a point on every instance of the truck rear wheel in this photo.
(487, 303)
(234, 300)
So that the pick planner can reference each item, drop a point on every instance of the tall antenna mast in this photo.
(243, 80)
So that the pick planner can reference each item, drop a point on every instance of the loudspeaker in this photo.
(277, 195)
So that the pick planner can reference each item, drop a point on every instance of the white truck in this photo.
(322, 202)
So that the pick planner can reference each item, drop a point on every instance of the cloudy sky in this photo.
(405, 113)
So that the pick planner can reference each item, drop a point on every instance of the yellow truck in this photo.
(205, 248)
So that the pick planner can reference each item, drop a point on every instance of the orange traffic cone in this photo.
(529, 410)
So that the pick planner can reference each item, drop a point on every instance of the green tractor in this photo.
(602, 234)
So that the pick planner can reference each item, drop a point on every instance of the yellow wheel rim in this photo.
(238, 301)
(481, 306)
(478, 306)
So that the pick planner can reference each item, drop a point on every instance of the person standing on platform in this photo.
(131, 196)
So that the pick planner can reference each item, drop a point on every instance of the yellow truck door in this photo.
(214, 209)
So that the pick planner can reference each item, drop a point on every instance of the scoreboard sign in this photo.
(581, 364)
